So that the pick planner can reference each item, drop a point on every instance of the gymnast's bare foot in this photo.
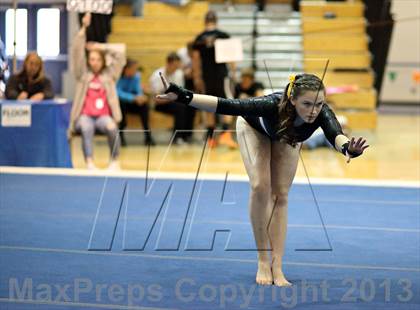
(279, 279)
(264, 275)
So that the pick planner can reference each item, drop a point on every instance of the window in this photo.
(21, 31)
(48, 32)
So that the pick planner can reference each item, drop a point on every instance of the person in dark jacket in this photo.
(270, 131)
(31, 82)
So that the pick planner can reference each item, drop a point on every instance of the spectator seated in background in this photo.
(248, 87)
(96, 106)
(31, 82)
(172, 73)
(133, 99)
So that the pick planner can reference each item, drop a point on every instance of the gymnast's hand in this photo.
(356, 148)
(168, 96)
(173, 93)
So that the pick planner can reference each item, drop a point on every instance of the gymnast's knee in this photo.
(260, 187)
(281, 197)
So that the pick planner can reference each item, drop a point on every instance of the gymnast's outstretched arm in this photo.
(334, 133)
(257, 106)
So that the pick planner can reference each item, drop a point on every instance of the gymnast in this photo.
(270, 130)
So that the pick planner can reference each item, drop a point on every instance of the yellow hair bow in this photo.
(291, 84)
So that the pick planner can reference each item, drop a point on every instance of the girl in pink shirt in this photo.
(96, 107)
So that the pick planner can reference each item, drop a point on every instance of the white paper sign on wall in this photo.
(94, 6)
(16, 115)
(228, 50)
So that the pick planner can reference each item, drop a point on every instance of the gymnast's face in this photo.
(306, 107)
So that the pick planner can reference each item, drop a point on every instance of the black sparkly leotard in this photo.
(262, 114)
